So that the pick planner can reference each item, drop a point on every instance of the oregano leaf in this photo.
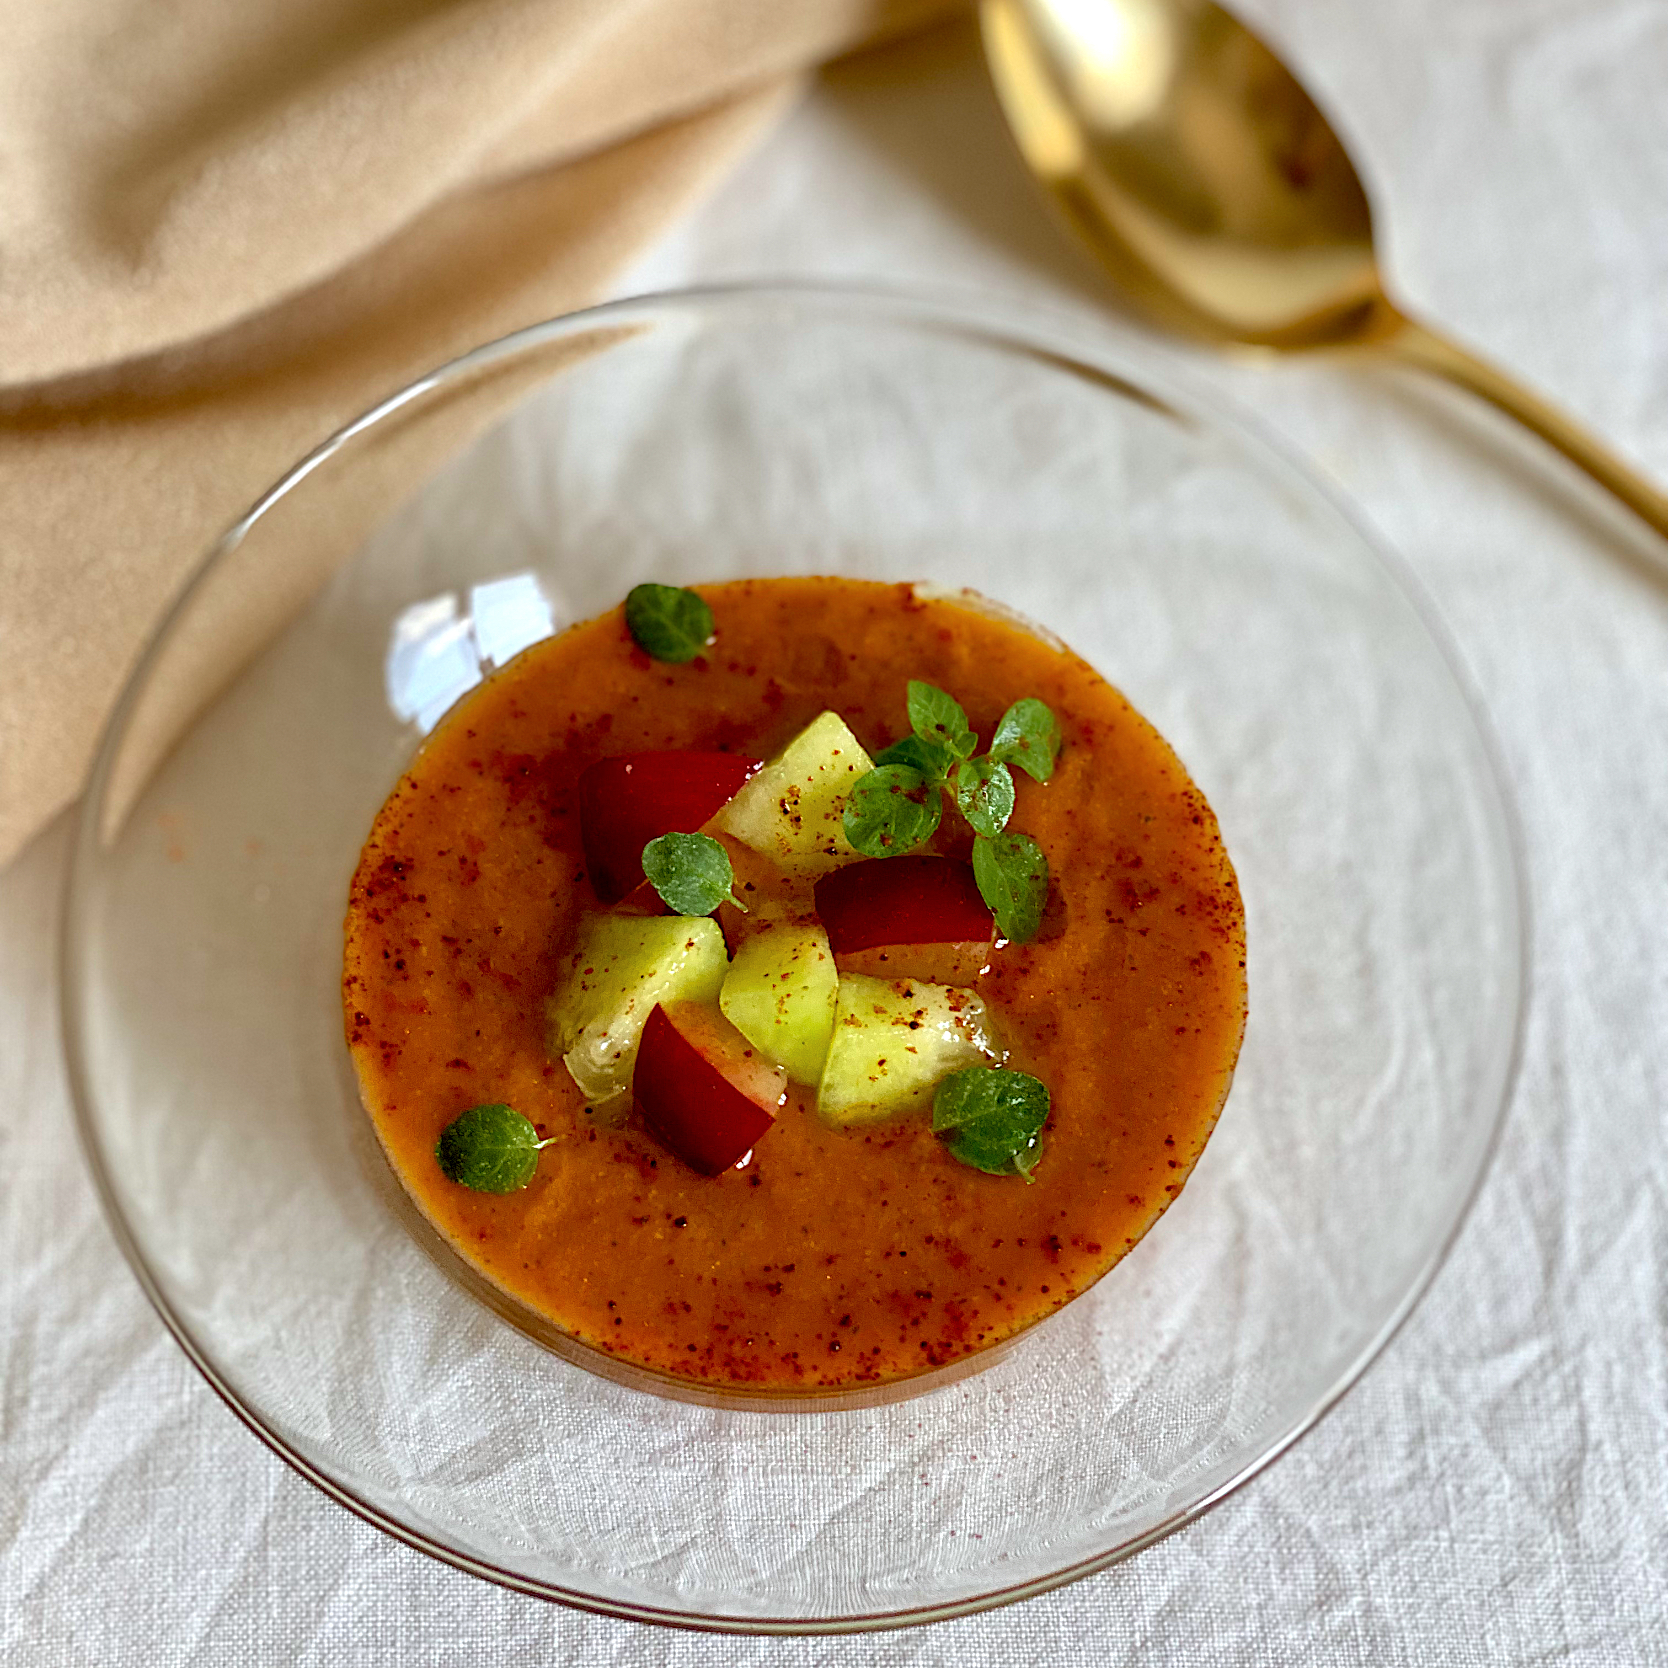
(1028, 736)
(929, 757)
(985, 795)
(991, 1119)
(691, 872)
(1012, 876)
(891, 810)
(668, 623)
(492, 1149)
(938, 720)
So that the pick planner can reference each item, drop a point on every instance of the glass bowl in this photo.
(779, 431)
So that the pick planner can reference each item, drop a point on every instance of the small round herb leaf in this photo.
(892, 810)
(492, 1149)
(985, 795)
(1029, 737)
(1012, 876)
(938, 719)
(691, 872)
(932, 760)
(992, 1119)
(668, 623)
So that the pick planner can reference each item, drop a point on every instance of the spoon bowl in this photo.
(1205, 179)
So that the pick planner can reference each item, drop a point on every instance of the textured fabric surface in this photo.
(223, 158)
(1494, 1489)
(260, 221)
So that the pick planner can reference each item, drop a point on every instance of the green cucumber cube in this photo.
(792, 811)
(894, 1042)
(622, 966)
(779, 993)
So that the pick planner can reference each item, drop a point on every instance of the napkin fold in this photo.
(225, 230)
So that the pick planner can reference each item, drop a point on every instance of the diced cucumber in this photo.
(779, 993)
(622, 966)
(792, 809)
(893, 1043)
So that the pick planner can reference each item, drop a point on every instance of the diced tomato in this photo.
(627, 801)
(704, 1091)
(901, 900)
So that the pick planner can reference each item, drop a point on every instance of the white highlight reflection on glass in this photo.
(509, 615)
(431, 660)
(436, 653)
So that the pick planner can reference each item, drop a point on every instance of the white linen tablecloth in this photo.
(1496, 1489)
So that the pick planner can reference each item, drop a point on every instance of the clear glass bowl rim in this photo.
(1060, 343)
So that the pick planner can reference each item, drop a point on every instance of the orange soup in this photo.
(834, 1257)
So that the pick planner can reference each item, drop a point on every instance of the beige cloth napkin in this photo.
(227, 229)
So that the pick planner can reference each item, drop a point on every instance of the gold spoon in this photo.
(1191, 162)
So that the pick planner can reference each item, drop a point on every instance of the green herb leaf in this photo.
(992, 1119)
(938, 719)
(985, 795)
(932, 760)
(668, 623)
(492, 1149)
(1012, 876)
(1029, 737)
(691, 872)
(892, 810)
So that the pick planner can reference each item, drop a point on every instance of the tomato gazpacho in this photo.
(794, 985)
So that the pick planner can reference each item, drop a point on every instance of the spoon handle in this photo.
(1418, 345)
